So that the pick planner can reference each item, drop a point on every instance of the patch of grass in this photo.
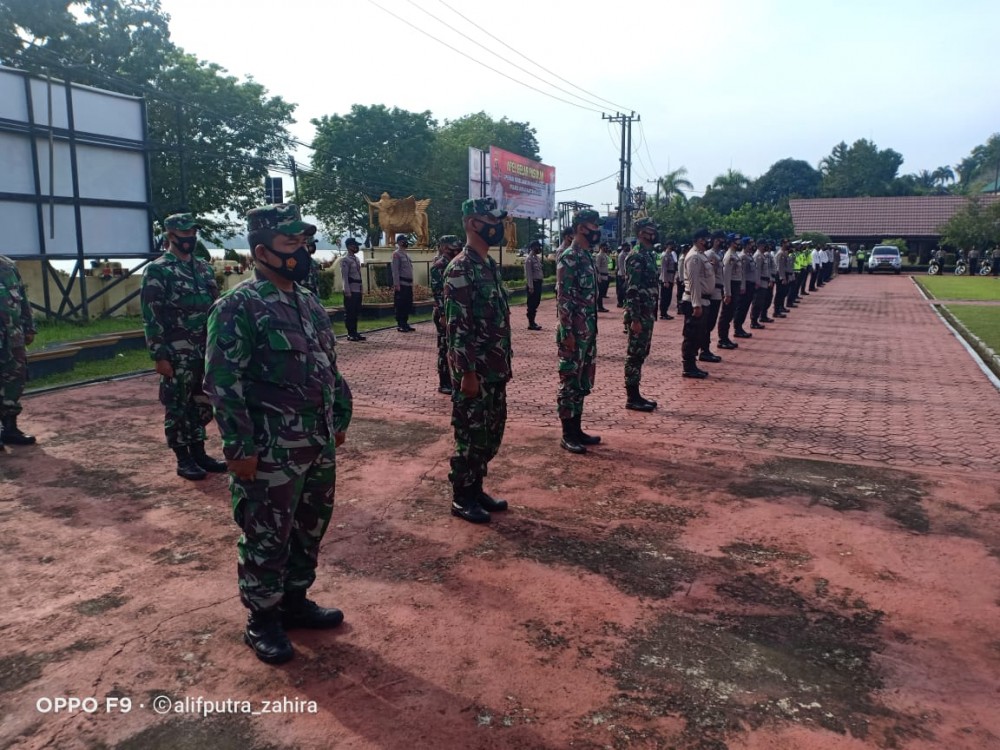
(982, 320)
(121, 364)
(57, 331)
(961, 287)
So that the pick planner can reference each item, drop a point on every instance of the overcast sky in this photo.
(718, 83)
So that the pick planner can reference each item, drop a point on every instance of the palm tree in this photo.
(943, 175)
(733, 178)
(675, 183)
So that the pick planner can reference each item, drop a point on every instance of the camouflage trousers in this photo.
(479, 425)
(442, 357)
(638, 350)
(187, 407)
(577, 370)
(284, 514)
(13, 376)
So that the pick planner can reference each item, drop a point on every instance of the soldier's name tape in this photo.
(166, 704)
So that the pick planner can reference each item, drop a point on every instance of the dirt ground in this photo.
(801, 552)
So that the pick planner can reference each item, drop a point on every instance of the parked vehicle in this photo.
(961, 267)
(845, 258)
(933, 268)
(885, 258)
(985, 269)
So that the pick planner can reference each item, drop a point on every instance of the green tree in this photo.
(981, 167)
(861, 169)
(674, 183)
(727, 192)
(787, 178)
(368, 151)
(678, 219)
(759, 221)
(977, 224)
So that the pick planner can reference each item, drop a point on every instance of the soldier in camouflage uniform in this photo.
(312, 280)
(448, 247)
(283, 409)
(477, 319)
(641, 292)
(177, 291)
(17, 331)
(576, 338)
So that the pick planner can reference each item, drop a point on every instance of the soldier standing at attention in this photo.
(603, 261)
(668, 273)
(623, 252)
(312, 280)
(713, 254)
(177, 292)
(533, 277)
(402, 284)
(448, 247)
(477, 317)
(350, 272)
(641, 294)
(17, 331)
(576, 338)
(699, 281)
(282, 408)
(732, 290)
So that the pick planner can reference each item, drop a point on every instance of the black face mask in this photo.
(491, 234)
(294, 266)
(593, 237)
(186, 245)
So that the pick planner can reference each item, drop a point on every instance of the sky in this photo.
(718, 84)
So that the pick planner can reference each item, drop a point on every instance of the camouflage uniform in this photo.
(271, 374)
(576, 303)
(312, 280)
(477, 323)
(176, 296)
(437, 275)
(640, 304)
(16, 324)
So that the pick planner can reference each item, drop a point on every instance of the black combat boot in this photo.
(298, 612)
(635, 402)
(267, 638)
(570, 440)
(205, 461)
(582, 437)
(444, 383)
(727, 344)
(466, 505)
(186, 466)
(13, 436)
(708, 356)
(487, 502)
(691, 371)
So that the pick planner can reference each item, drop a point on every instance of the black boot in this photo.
(570, 440)
(186, 466)
(466, 505)
(691, 371)
(708, 356)
(205, 461)
(13, 436)
(444, 383)
(299, 612)
(635, 402)
(267, 638)
(582, 437)
(486, 502)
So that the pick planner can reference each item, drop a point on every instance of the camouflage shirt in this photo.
(641, 284)
(15, 310)
(176, 296)
(271, 370)
(477, 318)
(312, 280)
(576, 293)
(438, 267)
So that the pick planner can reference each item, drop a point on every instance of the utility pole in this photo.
(295, 179)
(625, 170)
(657, 183)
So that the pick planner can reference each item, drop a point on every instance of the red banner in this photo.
(524, 188)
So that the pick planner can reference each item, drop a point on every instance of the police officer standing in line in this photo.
(641, 293)
(477, 319)
(350, 272)
(768, 274)
(781, 265)
(745, 302)
(862, 255)
(603, 261)
(803, 268)
(623, 252)
(761, 281)
(283, 409)
(699, 281)
(448, 247)
(668, 273)
(713, 254)
(732, 290)
(402, 284)
(17, 331)
(312, 280)
(177, 292)
(576, 337)
(534, 274)
(681, 255)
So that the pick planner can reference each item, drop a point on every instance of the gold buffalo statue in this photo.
(400, 216)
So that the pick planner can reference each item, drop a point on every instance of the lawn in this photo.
(982, 320)
(961, 287)
(56, 331)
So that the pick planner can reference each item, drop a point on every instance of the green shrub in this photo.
(512, 273)
(327, 279)
(897, 243)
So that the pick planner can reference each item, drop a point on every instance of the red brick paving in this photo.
(800, 553)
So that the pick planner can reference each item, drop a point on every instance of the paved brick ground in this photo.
(864, 369)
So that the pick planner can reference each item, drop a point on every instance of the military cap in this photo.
(588, 216)
(482, 207)
(181, 222)
(641, 224)
(535, 243)
(402, 238)
(283, 218)
(449, 240)
(747, 240)
(351, 241)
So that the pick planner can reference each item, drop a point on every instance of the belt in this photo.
(402, 279)
(720, 286)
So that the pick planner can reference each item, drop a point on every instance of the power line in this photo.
(645, 140)
(480, 62)
(522, 55)
(578, 187)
